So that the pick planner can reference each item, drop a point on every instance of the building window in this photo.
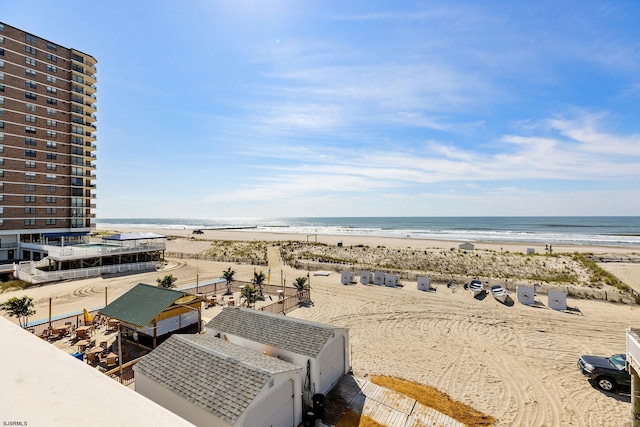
(30, 187)
(51, 123)
(30, 84)
(29, 222)
(30, 165)
(1, 88)
(77, 161)
(52, 210)
(30, 153)
(77, 150)
(30, 119)
(52, 58)
(1, 52)
(30, 199)
(30, 211)
(30, 72)
(51, 177)
(77, 140)
(1, 100)
(1, 125)
(51, 221)
(30, 176)
(29, 38)
(1, 64)
(51, 199)
(52, 90)
(77, 129)
(30, 49)
(51, 189)
(1, 160)
(52, 46)
(30, 61)
(52, 156)
(52, 134)
(51, 79)
(30, 95)
(1, 40)
(51, 144)
(51, 101)
(1, 76)
(31, 107)
(51, 112)
(51, 166)
(52, 68)
(30, 141)
(30, 129)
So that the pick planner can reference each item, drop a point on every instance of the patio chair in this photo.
(112, 361)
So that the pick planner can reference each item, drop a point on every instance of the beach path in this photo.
(273, 257)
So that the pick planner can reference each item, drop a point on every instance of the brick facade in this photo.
(47, 135)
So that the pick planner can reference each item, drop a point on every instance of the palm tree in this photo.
(258, 280)
(228, 276)
(21, 308)
(249, 293)
(301, 284)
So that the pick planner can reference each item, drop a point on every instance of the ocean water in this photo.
(611, 231)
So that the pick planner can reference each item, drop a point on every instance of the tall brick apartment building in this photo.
(47, 143)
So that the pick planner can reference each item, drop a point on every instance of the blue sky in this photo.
(213, 109)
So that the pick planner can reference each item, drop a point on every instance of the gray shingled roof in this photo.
(215, 375)
(141, 304)
(295, 335)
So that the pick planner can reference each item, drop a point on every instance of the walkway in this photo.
(381, 404)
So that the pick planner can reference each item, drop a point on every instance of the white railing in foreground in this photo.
(28, 273)
(633, 348)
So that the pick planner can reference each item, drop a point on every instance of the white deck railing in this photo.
(27, 272)
(633, 348)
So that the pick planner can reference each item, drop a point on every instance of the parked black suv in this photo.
(607, 373)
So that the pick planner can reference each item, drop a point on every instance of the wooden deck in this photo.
(381, 404)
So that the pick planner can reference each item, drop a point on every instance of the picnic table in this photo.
(82, 345)
(60, 331)
(84, 332)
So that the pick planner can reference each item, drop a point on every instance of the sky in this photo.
(219, 109)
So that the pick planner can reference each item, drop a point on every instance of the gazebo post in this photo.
(120, 350)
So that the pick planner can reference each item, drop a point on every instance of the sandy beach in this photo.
(514, 362)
